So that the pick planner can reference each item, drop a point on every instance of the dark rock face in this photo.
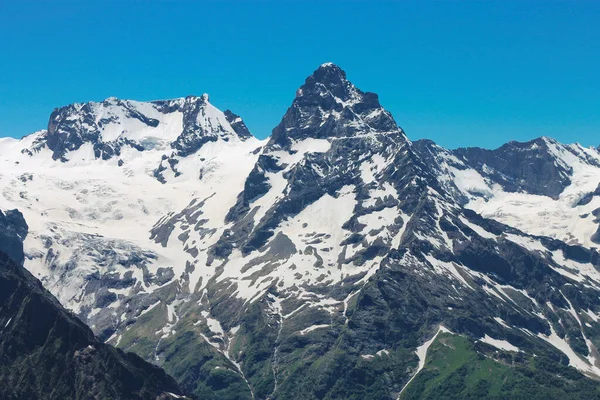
(71, 126)
(596, 235)
(329, 106)
(435, 157)
(539, 167)
(47, 353)
(238, 125)
(528, 167)
(13, 230)
(194, 135)
(64, 134)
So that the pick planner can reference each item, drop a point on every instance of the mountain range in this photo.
(336, 259)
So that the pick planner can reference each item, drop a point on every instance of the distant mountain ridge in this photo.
(540, 186)
(322, 262)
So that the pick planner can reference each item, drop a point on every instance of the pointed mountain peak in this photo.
(328, 72)
(200, 100)
(328, 65)
(328, 105)
(111, 100)
(327, 81)
(238, 125)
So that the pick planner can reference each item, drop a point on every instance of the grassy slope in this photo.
(455, 370)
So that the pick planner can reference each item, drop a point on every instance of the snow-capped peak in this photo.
(183, 124)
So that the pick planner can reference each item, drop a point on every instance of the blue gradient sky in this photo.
(458, 72)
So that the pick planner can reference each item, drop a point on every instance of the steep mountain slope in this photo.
(457, 368)
(345, 249)
(317, 264)
(47, 353)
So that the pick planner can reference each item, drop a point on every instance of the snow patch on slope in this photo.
(422, 354)
(499, 344)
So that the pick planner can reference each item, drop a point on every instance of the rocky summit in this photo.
(336, 259)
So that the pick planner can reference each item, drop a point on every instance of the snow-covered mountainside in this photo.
(47, 353)
(318, 263)
(106, 128)
(541, 187)
(90, 215)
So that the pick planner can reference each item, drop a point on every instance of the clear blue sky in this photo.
(458, 72)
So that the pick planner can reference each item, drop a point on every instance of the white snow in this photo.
(499, 344)
(322, 220)
(382, 352)
(312, 328)
(541, 215)
(213, 324)
(501, 322)
(479, 230)
(174, 395)
(494, 292)
(85, 206)
(447, 268)
(528, 243)
(310, 145)
(422, 354)
(379, 219)
(591, 348)
(575, 359)
(575, 270)
(471, 181)
(592, 315)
